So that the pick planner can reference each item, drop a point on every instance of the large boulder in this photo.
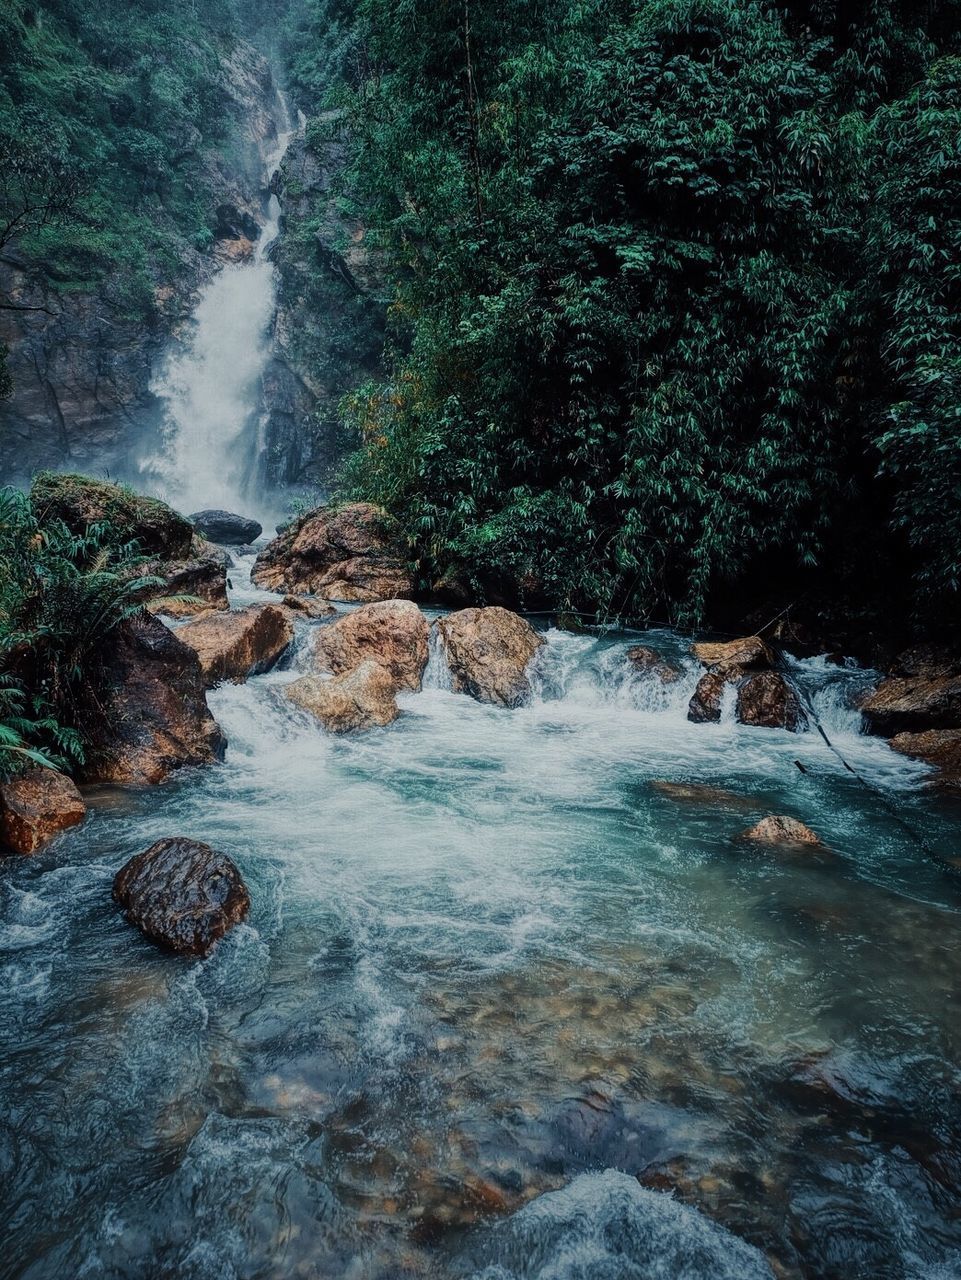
(393, 633)
(650, 662)
(183, 894)
(361, 699)
(226, 528)
(37, 806)
(940, 748)
(746, 653)
(202, 576)
(488, 652)
(152, 715)
(705, 704)
(765, 699)
(923, 692)
(79, 502)
(353, 553)
(233, 646)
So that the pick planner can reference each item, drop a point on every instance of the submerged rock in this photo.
(650, 662)
(488, 652)
(203, 575)
(182, 894)
(80, 502)
(226, 528)
(152, 716)
(778, 829)
(361, 699)
(700, 793)
(37, 806)
(766, 700)
(354, 553)
(393, 633)
(748, 653)
(233, 646)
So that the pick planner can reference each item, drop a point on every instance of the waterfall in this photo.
(210, 388)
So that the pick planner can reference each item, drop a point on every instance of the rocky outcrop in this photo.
(225, 528)
(353, 553)
(35, 807)
(780, 830)
(766, 700)
(233, 646)
(80, 502)
(749, 653)
(393, 633)
(152, 716)
(923, 692)
(650, 662)
(488, 652)
(361, 699)
(182, 894)
(940, 748)
(203, 576)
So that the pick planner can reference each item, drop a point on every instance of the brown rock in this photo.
(750, 652)
(650, 662)
(354, 554)
(153, 716)
(37, 806)
(767, 700)
(698, 793)
(705, 704)
(203, 575)
(393, 633)
(309, 606)
(488, 652)
(233, 646)
(778, 829)
(928, 699)
(80, 502)
(940, 748)
(182, 894)
(358, 700)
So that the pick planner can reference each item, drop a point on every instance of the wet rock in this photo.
(923, 693)
(778, 829)
(309, 606)
(705, 704)
(748, 653)
(37, 806)
(650, 662)
(233, 646)
(940, 748)
(354, 553)
(699, 793)
(182, 894)
(488, 652)
(361, 699)
(202, 576)
(226, 528)
(152, 716)
(80, 502)
(766, 700)
(393, 633)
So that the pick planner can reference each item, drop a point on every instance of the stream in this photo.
(503, 1008)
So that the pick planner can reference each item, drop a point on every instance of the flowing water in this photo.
(504, 1007)
(211, 386)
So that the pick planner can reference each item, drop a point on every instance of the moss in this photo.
(80, 502)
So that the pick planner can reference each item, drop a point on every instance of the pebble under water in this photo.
(503, 1008)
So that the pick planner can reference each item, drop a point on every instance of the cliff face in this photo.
(82, 359)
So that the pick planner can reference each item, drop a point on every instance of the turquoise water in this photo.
(502, 1007)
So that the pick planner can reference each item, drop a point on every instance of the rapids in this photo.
(491, 978)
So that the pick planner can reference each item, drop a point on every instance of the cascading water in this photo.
(211, 388)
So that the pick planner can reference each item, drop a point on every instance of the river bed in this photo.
(503, 1007)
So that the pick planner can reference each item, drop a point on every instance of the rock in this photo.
(923, 693)
(233, 646)
(488, 652)
(778, 829)
(79, 502)
(750, 652)
(354, 553)
(152, 716)
(204, 576)
(182, 894)
(360, 699)
(940, 748)
(699, 793)
(393, 633)
(226, 528)
(705, 704)
(309, 606)
(766, 700)
(37, 806)
(650, 662)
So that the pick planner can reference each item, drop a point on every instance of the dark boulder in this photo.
(183, 894)
(225, 528)
(923, 692)
(705, 704)
(203, 576)
(765, 699)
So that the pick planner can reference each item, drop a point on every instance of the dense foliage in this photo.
(675, 293)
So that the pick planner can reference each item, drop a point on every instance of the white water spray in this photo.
(211, 388)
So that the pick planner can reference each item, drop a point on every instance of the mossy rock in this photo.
(80, 501)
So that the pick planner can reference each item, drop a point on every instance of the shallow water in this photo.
(493, 977)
